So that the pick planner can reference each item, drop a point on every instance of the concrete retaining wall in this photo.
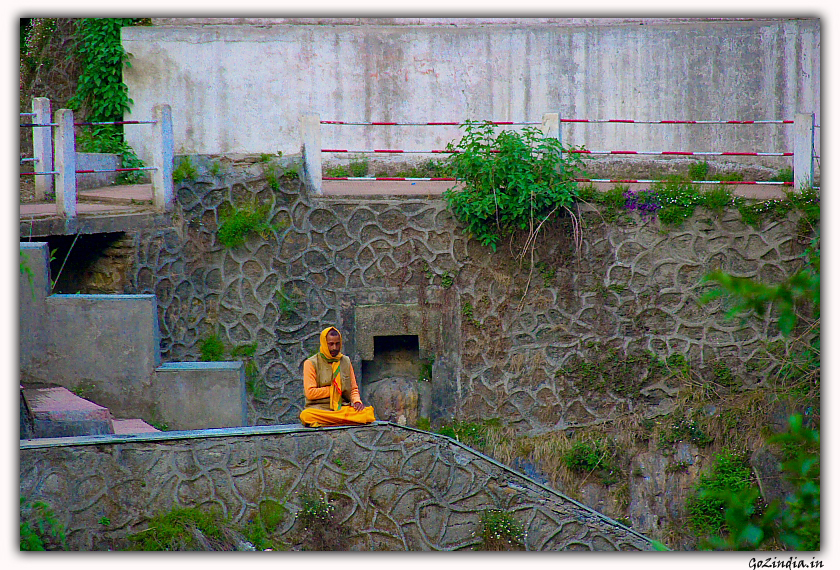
(109, 347)
(633, 289)
(395, 488)
(240, 85)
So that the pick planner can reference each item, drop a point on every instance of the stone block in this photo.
(395, 400)
(57, 412)
(109, 341)
(96, 161)
(200, 395)
(395, 320)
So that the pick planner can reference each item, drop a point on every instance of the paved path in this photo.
(435, 189)
(138, 197)
(100, 201)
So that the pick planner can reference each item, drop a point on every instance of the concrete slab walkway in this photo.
(434, 189)
(99, 201)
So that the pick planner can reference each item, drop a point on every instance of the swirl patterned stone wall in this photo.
(394, 487)
(515, 342)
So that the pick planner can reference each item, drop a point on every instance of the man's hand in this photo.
(358, 406)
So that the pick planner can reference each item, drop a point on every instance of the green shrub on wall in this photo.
(512, 181)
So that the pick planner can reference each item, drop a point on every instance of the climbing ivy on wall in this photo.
(100, 92)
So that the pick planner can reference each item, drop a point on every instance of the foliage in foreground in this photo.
(753, 296)
(195, 529)
(40, 528)
(796, 524)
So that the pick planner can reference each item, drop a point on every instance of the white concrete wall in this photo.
(239, 85)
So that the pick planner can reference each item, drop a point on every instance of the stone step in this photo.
(130, 194)
(125, 427)
(58, 412)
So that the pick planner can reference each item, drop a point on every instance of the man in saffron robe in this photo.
(330, 389)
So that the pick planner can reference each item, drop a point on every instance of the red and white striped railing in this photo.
(803, 153)
(58, 168)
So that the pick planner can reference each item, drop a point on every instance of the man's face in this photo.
(334, 343)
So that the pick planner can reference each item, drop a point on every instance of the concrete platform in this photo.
(111, 199)
(57, 412)
(124, 427)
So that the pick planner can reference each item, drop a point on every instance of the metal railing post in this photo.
(803, 150)
(65, 161)
(163, 158)
(42, 150)
(310, 130)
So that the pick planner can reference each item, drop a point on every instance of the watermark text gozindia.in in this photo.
(791, 562)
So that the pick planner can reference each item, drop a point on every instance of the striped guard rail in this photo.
(562, 120)
(422, 124)
(678, 153)
(397, 178)
(609, 180)
(643, 181)
(572, 151)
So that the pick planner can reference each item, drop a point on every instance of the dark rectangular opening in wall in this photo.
(395, 344)
(89, 263)
(397, 355)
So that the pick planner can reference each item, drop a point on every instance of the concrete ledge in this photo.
(196, 395)
(109, 341)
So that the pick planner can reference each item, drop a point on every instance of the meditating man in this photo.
(330, 389)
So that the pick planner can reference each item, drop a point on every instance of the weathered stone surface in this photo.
(629, 282)
(395, 400)
(402, 488)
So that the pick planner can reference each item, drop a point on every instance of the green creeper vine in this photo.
(100, 91)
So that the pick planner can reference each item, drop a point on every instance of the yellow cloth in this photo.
(346, 416)
(335, 392)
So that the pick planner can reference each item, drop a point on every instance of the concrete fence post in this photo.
(803, 150)
(42, 150)
(551, 126)
(163, 159)
(310, 130)
(65, 161)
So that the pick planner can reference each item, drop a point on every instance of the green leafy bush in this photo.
(184, 170)
(175, 530)
(212, 349)
(794, 525)
(100, 91)
(512, 181)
